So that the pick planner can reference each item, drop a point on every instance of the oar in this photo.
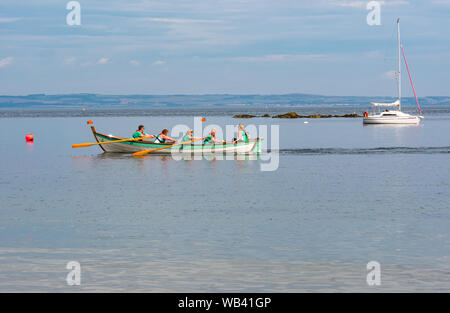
(88, 144)
(144, 152)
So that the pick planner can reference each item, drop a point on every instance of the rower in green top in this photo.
(140, 133)
(242, 134)
(163, 138)
(189, 136)
(211, 138)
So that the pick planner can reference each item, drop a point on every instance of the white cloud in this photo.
(9, 19)
(351, 4)
(363, 4)
(159, 62)
(70, 61)
(103, 61)
(135, 63)
(389, 75)
(6, 61)
(441, 2)
(373, 54)
(179, 20)
(278, 58)
(394, 2)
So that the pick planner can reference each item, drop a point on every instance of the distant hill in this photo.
(199, 101)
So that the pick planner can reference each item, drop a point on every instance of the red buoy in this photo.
(29, 138)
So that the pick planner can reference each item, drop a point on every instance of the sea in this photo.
(345, 208)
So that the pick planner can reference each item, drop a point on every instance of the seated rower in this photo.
(242, 134)
(188, 136)
(140, 133)
(211, 138)
(162, 138)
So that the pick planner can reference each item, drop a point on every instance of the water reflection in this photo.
(396, 134)
(392, 126)
(165, 158)
(30, 146)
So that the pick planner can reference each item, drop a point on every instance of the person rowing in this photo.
(189, 136)
(242, 134)
(163, 138)
(211, 138)
(140, 133)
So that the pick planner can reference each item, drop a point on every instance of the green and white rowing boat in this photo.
(251, 146)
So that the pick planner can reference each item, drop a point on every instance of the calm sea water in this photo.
(344, 194)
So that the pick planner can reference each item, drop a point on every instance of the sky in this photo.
(321, 47)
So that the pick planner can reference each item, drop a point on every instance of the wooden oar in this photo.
(144, 152)
(88, 144)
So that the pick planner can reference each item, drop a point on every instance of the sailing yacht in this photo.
(395, 116)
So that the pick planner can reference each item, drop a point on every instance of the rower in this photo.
(162, 138)
(211, 138)
(140, 133)
(242, 134)
(189, 136)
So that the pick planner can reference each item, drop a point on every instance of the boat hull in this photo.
(398, 120)
(251, 146)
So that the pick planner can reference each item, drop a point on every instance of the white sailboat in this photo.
(395, 116)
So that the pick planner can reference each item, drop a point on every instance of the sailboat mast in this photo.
(399, 68)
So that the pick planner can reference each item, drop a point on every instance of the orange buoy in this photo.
(203, 119)
(29, 138)
(90, 122)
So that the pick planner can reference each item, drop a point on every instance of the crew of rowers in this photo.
(210, 139)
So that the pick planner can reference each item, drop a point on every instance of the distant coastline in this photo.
(199, 101)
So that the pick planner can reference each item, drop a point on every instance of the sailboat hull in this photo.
(377, 119)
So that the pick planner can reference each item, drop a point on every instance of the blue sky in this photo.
(221, 46)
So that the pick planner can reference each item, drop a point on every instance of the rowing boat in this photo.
(253, 145)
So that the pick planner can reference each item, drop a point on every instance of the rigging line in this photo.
(410, 79)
